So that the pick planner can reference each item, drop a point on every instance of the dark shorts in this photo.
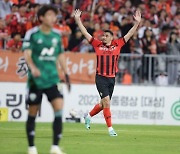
(34, 96)
(105, 86)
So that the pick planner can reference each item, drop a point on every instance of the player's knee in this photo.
(100, 105)
(58, 113)
(33, 110)
(106, 101)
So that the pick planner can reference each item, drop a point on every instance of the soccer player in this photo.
(107, 52)
(42, 50)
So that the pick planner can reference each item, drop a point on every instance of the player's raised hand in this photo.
(137, 16)
(77, 14)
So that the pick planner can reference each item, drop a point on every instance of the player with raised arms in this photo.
(107, 53)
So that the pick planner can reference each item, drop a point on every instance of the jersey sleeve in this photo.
(121, 41)
(27, 42)
(94, 42)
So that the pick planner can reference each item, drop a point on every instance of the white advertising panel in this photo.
(12, 96)
(129, 104)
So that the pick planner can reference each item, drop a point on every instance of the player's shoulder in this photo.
(95, 41)
(31, 31)
(56, 31)
(120, 38)
(119, 41)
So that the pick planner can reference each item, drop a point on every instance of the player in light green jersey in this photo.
(42, 49)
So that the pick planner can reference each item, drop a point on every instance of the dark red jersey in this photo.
(107, 56)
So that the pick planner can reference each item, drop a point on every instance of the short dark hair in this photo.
(42, 11)
(108, 31)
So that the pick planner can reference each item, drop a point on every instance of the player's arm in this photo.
(34, 70)
(62, 62)
(77, 14)
(130, 33)
(27, 48)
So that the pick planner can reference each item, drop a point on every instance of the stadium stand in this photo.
(152, 51)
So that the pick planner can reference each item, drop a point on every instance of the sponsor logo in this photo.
(40, 41)
(47, 51)
(32, 96)
(175, 110)
(47, 54)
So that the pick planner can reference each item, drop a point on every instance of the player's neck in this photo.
(108, 44)
(45, 29)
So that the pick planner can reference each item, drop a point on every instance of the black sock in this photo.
(30, 129)
(57, 130)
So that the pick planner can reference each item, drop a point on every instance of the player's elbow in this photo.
(127, 37)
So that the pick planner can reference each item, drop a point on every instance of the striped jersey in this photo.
(107, 56)
(45, 50)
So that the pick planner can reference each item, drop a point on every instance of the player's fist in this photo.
(35, 72)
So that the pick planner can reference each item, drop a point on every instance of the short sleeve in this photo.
(94, 42)
(27, 42)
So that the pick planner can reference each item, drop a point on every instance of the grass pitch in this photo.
(132, 139)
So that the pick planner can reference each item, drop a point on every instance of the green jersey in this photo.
(45, 50)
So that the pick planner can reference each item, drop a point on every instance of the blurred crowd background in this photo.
(151, 56)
